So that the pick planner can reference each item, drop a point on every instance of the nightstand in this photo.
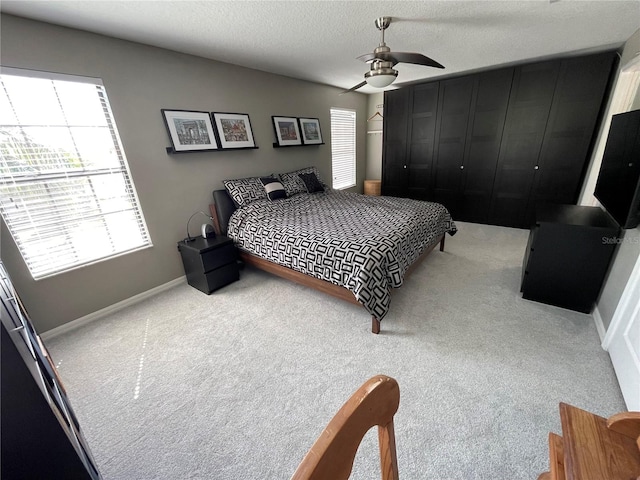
(209, 263)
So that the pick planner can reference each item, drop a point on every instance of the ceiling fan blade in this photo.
(367, 57)
(406, 57)
(353, 88)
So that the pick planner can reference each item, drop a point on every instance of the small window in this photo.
(66, 193)
(343, 148)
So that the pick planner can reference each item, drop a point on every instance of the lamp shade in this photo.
(381, 78)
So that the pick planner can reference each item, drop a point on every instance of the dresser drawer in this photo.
(218, 257)
(222, 276)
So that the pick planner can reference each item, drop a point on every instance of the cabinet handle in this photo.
(536, 167)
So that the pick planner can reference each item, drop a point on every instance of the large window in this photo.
(66, 193)
(343, 147)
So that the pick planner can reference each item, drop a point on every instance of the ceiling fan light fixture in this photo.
(382, 61)
(381, 77)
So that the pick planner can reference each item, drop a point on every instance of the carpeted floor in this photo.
(239, 384)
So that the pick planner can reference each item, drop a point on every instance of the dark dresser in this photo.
(568, 255)
(209, 263)
(41, 435)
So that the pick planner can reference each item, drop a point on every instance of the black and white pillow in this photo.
(293, 183)
(311, 182)
(243, 191)
(274, 188)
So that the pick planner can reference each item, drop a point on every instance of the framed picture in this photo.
(287, 131)
(190, 130)
(234, 130)
(310, 130)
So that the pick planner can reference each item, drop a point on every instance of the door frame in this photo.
(623, 354)
(626, 305)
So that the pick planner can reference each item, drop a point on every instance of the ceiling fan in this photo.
(382, 61)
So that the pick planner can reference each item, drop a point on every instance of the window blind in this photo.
(66, 193)
(343, 147)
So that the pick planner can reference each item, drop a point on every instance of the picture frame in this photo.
(310, 131)
(287, 131)
(234, 130)
(189, 130)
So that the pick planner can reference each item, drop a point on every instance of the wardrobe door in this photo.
(576, 106)
(422, 127)
(394, 157)
(486, 124)
(451, 133)
(527, 115)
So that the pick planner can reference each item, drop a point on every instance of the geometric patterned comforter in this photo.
(362, 243)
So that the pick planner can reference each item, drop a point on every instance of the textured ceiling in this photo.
(320, 40)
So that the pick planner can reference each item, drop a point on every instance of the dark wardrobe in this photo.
(493, 146)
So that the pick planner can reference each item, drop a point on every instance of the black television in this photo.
(618, 186)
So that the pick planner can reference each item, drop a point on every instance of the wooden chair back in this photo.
(332, 456)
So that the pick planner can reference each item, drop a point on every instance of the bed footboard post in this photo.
(442, 243)
(375, 325)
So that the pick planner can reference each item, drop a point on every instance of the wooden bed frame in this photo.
(313, 282)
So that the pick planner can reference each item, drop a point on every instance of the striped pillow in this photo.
(274, 188)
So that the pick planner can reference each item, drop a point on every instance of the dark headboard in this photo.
(222, 209)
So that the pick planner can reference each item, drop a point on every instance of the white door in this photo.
(622, 341)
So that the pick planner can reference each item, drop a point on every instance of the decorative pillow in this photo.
(243, 191)
(293, 183)
(311, 182)
(274, 188)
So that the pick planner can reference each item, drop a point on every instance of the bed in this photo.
(354, 247)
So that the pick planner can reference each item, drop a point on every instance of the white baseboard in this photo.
(597, 319)
(78, 322)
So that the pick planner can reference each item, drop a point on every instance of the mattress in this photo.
(362, 243)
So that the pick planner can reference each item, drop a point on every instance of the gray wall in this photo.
(636, 101)
(628, 250)
(374, 140)
(140, 80)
